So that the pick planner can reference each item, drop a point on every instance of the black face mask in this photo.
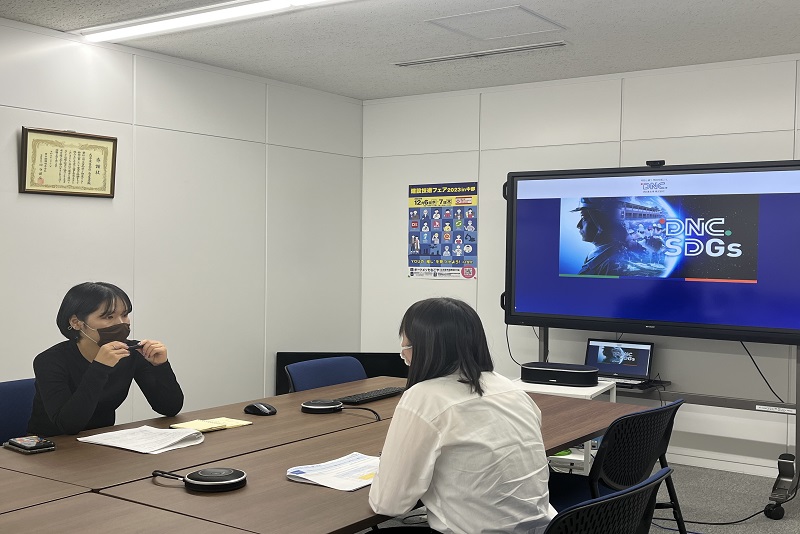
(117, 332)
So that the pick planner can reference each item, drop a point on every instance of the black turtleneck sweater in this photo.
(73, 394)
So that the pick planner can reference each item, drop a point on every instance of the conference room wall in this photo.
(734, 111)
(189, 218)
(387, 291)
(166, 194)
(312, 120)
(49, 242)
(313, 253)
(199, 262)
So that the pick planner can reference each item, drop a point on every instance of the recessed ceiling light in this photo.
(195, 18)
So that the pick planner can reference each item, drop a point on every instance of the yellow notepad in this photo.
(228, 422)
(209, 425)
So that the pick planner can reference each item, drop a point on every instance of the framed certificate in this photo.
(67, 163)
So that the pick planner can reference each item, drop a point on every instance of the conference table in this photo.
(20, 490)
(265, 450)
(96, 467)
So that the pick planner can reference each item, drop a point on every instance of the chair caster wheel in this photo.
(774, 511)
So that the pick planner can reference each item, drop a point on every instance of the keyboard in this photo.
(369, 396)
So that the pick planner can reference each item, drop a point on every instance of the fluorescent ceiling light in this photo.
(195, 18)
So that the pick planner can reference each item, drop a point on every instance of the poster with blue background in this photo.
(443, 231)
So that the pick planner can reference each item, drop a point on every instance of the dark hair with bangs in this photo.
(86, 298)
(446, 337)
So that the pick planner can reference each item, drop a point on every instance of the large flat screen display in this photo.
(707, 251)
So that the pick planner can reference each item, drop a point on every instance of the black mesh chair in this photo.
(629, 511)
(627, 454)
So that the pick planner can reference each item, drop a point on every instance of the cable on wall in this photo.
(759, 372)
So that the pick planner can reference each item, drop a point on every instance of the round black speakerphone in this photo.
(321, 406)
(210, 479)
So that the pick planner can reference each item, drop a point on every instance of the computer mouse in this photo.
(260, 408)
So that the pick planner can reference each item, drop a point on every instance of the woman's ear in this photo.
(75, 323)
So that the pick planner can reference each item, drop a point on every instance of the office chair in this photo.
(16, 399)
(322, 372)
(626, 456)
(629, 511)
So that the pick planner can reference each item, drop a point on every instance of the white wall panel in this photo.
(63, 76)
(386, 289)
(796, 145)
(752, 98)
(421, 126)
(494, 167)
(746, 441)
(760, 146)
(302, 118)
(50, 243)
(551, 115)
(199, 262)
(177, 97)
(313, 253)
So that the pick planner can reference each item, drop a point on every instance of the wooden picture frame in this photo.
(67, 163)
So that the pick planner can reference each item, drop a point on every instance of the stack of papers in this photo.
(209, 425)
(347, 473)
(147, 439)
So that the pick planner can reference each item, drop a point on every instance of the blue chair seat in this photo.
(16, 400)
(323, 372)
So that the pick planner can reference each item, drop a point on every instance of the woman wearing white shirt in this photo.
(464, 440)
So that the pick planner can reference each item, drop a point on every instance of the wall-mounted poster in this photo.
(443, 231)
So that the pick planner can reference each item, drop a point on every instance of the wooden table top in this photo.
(91, 512)
(97, 466)
(265, 450)
(19, 490)
(567, 422)
(270, 503)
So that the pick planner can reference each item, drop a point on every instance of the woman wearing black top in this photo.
(81, 382)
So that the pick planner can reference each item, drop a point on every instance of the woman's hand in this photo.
(153, 351)
(112, 352)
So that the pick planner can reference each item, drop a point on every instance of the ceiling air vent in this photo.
(482, 53)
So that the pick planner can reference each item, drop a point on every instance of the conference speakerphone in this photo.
(559, 374)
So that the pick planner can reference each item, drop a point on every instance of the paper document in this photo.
(147, 439)
(209, 425)
(347, 473)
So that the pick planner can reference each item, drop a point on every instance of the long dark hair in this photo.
(446, 337)
(86, 298)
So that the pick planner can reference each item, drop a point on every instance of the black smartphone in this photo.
(135, 346)
(29, 444)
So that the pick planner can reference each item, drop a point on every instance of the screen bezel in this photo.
(608, 324)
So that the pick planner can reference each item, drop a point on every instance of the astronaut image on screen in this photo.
(615, 355)
(613, 358)
(690, 236)
(601, 224)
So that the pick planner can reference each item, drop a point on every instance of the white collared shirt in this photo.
(477, 463)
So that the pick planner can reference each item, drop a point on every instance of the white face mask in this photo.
(402, 355)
